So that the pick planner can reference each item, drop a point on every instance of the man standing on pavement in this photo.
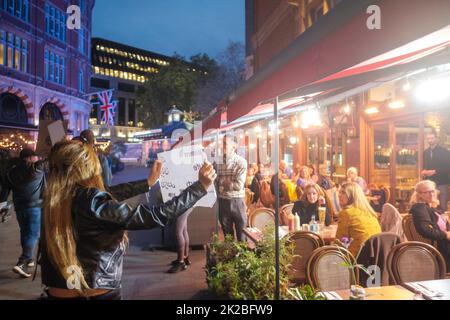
(436, 167)
(231, 190)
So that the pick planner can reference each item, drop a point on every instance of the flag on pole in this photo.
(107, 107)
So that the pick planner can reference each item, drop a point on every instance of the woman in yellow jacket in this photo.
(357, 220)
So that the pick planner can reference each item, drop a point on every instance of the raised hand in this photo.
(207, 175)
(154, 173)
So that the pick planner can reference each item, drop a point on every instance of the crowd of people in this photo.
(67, 204)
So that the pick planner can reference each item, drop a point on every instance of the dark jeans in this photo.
(30, 225)
(232, 213)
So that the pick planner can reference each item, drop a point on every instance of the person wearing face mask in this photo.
(308, 206)
(428, 221)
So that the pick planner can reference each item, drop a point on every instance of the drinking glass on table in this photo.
(322, 214)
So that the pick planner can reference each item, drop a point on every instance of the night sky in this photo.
(187, 27)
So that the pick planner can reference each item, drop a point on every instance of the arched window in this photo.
(50, 112)
(12, 109)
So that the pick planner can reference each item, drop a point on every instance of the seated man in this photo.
(429, 223)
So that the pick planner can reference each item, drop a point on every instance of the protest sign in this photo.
(180, 169)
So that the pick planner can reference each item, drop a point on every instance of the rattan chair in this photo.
(326, 270)
(285, 211)
(411, 233)
(260, 218)
(415, 261)
(305, 243)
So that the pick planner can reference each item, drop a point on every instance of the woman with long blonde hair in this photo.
(357, 220)
(84, 226)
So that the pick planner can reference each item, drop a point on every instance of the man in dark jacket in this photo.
(429, 223)
(436, 168)
(27, 182)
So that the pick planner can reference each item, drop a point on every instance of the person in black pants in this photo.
(437, 168)
(429, 223)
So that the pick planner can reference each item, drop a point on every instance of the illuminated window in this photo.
(55, 22)
(18, 8)
(2, 47)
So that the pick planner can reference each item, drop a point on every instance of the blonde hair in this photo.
(316, 187)
(72, 164)
(352, 169)
(415, 196)
(307, 170)
(356, 197)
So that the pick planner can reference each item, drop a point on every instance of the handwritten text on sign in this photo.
(180, 169)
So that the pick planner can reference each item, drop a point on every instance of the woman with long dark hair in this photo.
(84, 227)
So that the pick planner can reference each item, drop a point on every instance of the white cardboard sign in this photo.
(56, 131)
(180, 169)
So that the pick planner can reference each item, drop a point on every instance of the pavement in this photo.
(145, 274)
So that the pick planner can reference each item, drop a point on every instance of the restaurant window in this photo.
(439, 122)
(380, 173)
(406, 154)
(338, 146)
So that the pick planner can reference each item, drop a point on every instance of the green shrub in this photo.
(234, 271)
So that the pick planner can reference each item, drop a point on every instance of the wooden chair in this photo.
(325, 270)
(260, 218)
(374, 251)
(305, 243)
(411, 233)
(285, 211)
(333, 196)
(415, 261)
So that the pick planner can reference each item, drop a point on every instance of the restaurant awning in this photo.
(341, 45)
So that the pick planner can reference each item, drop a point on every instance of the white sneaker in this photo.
(22, 270)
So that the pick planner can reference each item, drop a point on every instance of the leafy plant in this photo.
(236, 272)
(305, 292)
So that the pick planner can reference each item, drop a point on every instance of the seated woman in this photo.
(304, 177)
(357, 220)
(352, 176)
(428, 221)
(308, 206)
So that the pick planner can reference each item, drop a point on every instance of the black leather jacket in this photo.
(100, 222)
(27, 182)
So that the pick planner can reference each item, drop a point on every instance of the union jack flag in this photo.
(107, 107)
